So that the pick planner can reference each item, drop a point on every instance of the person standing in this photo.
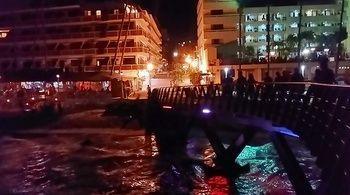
(267, 78)
(251, 85)
(241, 84)
(297, 76)
(278, 77)
(326, 75)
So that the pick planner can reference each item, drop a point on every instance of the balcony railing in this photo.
(80, 35)
(93, 51)
(39, 21)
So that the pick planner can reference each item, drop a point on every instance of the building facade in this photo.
(347, 23)
(80, 38)
(320, 19)
(218, 25)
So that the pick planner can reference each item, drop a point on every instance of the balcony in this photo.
(34, 21)
(74, 52)
(81, 35)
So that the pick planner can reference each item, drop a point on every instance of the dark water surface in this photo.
(122, 162)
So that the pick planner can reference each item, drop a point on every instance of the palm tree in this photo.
(307, 37)
(249, 52)
(281, 48)
(291, 43)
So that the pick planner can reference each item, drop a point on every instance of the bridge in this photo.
(317, 114)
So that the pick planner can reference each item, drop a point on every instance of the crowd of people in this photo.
(323, 75)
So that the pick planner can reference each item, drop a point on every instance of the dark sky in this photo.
(177, 16)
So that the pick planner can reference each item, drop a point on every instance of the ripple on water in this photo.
(100, 164)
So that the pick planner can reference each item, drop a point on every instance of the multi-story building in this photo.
(217, 25)
(284, 20)
(347, 20)
(79, 38)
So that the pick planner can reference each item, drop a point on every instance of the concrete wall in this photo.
(258, 70)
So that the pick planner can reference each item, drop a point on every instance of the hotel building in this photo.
(79, 38)
(320, 19)
(218, 25)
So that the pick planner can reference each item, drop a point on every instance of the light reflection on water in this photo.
(84, 164)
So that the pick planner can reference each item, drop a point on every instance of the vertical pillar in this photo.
(299, 32)
(268, 49)
(240, 10)
(339, 37)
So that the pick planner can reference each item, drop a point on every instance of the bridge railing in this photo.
(318, 113)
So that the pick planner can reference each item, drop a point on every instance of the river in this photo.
(82, 160)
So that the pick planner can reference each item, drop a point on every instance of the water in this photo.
(126, 162)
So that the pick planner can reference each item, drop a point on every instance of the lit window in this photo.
(262, 17)
(87, 13)
(98, 13)
(277, 27)
(262, 38)
(262, 49)
(311, 12)
(327, 12)
(294, 13)
(327, 24)
(278, 16)
(294, 25)
(262, 28)
(250, 17)
(249, 39)
(3, 35)
(249, 28)
(277, 38)
(312, 24)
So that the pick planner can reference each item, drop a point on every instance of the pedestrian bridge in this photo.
(317, 114)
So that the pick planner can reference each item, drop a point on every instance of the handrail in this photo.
(317, 113)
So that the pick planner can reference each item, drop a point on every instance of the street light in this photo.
(58, 82)
(226, 72)
(303, 67)
(175, 54)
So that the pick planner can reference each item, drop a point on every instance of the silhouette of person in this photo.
(297, 76)
(241, 83)
(317, 78)
(326, 74)
(228, 86)
(285, 76)
(278, 77)
(149, 91)
(267, 78)
(251, 85)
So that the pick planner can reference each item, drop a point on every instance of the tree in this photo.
(291, 43)
(281, 48)
(195, 77)
(307, 37)
(177, 76)
(330, 41)
(249, 52)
